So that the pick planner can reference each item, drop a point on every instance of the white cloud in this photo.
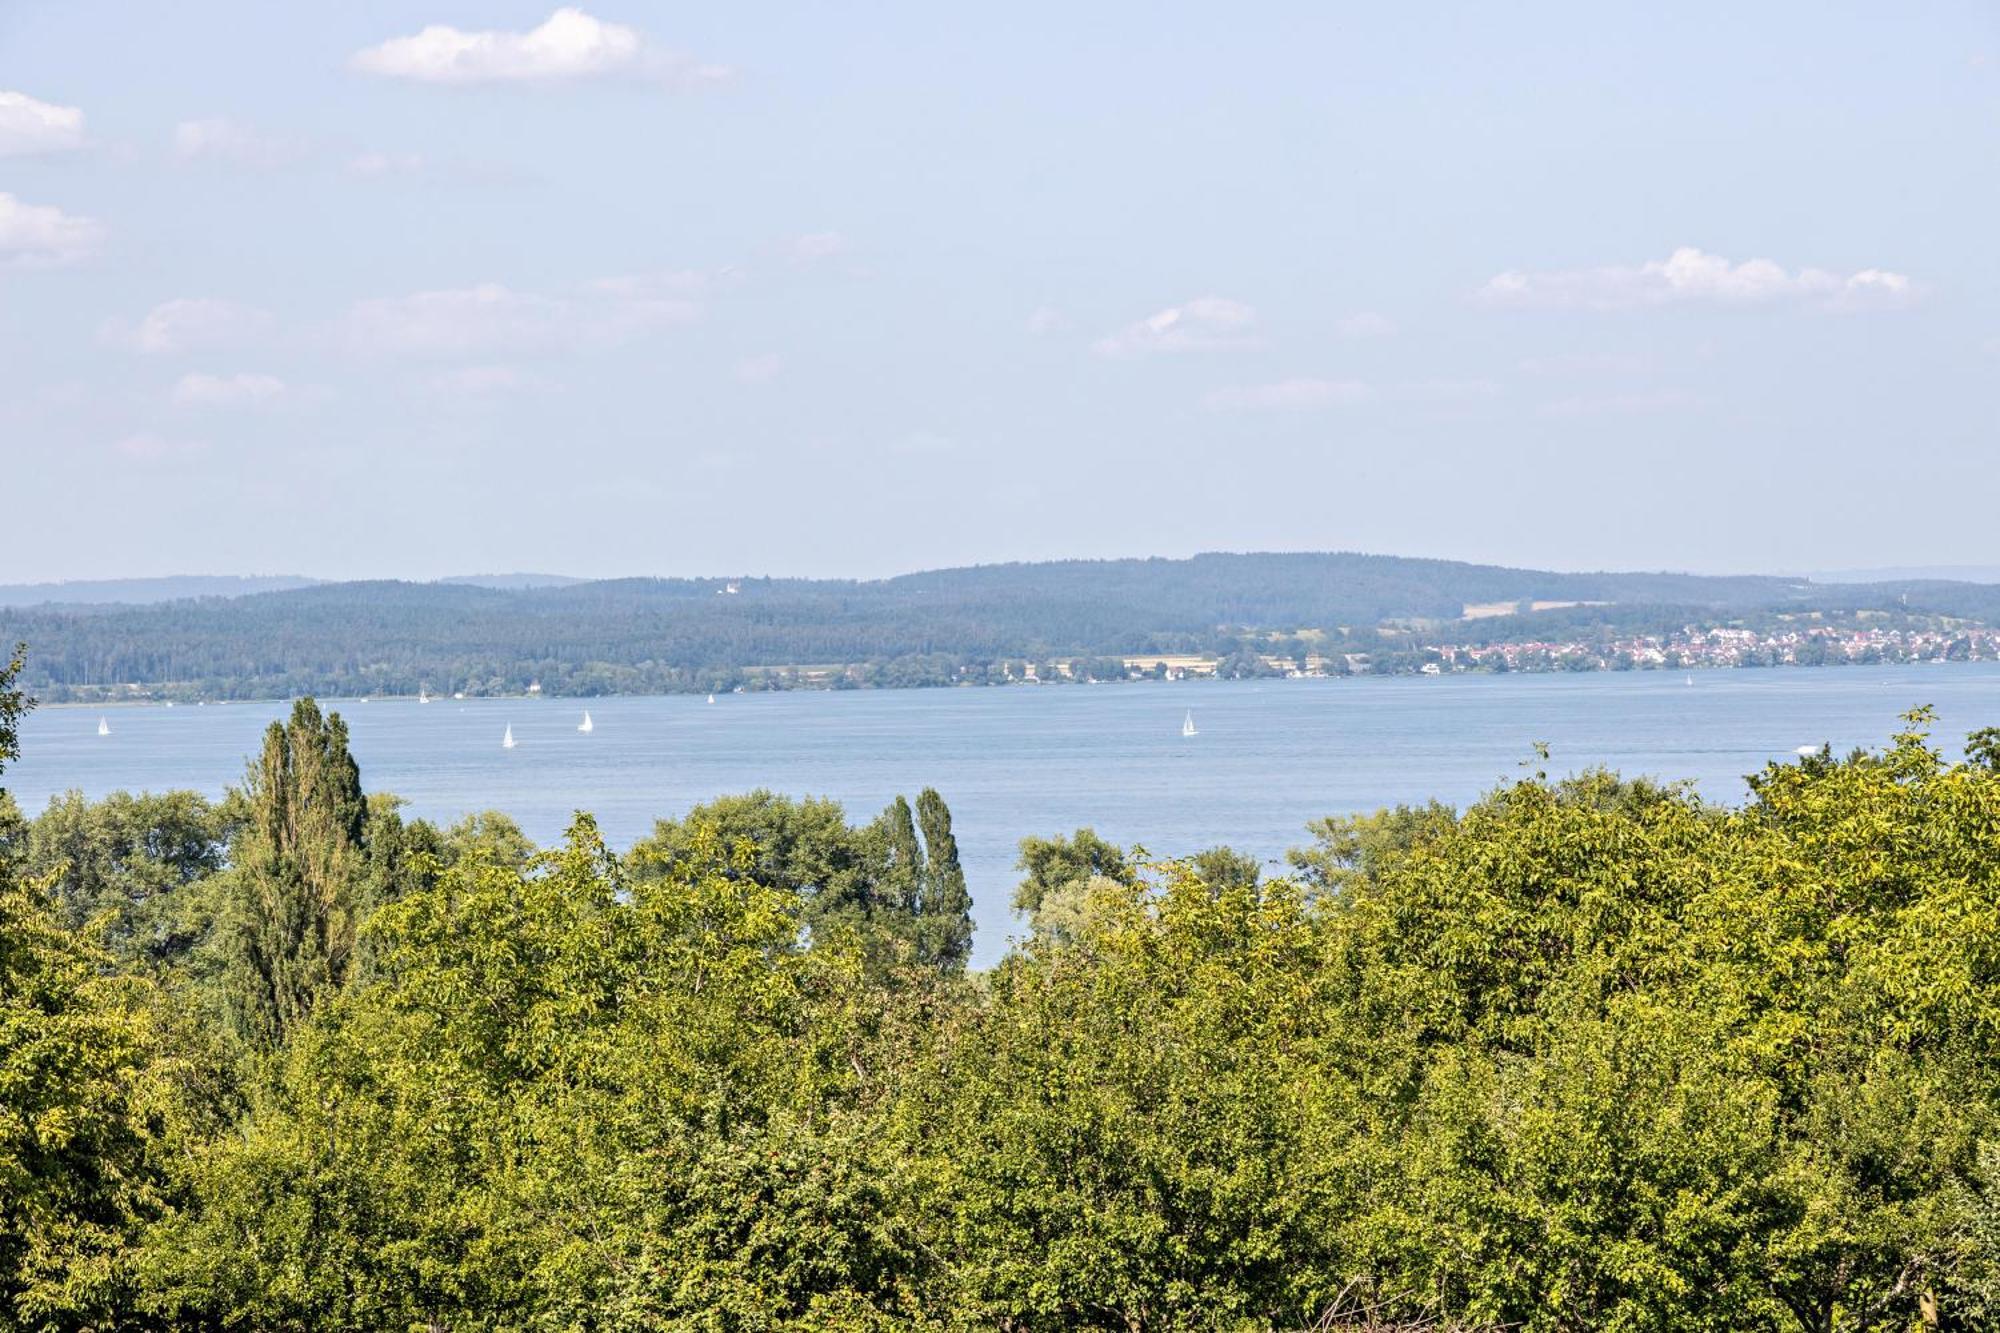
(1293, 395)
(1365, 324)
(219, 139)
(1688, 276)
(569, 45)
(1206, 321)
(760, 369)
(31, 126)
(239, 390)
(189, 324)
(42, 236)
(490, 318)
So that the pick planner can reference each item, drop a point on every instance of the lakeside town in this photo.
(1694, 647)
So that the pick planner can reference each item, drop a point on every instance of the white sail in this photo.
(507, 741)
(1187, 727)
(423, 694)
(103, 727)
(586, 726)
(711, 698)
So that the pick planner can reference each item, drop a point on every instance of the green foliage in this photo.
(136, 865)
(1587, 1055)
(14, 704)
(75, 1139)
(943, 927)
(290, 910)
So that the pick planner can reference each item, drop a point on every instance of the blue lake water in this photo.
(1012, 761)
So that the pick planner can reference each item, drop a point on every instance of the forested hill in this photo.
(625, 635)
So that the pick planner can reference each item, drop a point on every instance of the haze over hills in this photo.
(934, 627)
(146, 591)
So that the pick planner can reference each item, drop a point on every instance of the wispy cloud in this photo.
(486, 381)
(31, 126)
(218, 139)
(759, 369)
(1587, 363)
(146, 447)
(238, 390)
(490, 318)
(1621, 405)
(815, 246)
(1045, 320)
(188, 324)
(1205, 322)
(384, 166)
(569, 45)
(1365, 324)
(1293, 395)
(1691, 276)
(43, 236)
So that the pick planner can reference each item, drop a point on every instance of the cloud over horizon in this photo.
(1691, 276)
(568, 45)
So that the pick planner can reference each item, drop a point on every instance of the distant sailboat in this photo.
(423, 694)
(1187, 727)
(507, 741)
(103, 727)
(711, 698)
(586, 726)
(1690, 680)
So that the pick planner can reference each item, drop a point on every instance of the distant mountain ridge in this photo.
(500, 633)
(179, 587)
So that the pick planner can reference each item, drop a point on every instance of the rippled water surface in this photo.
(1011, 761)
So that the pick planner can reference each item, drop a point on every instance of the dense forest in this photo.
(1587, 1055)
(944, 627)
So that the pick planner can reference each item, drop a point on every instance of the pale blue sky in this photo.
(859, 289)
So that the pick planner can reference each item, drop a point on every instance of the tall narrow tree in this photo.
(901, 889)
(944, 910)
(288, 934)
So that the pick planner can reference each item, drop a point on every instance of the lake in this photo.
(1269, 755)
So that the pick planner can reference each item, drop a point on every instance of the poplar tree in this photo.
(902, 889)
(944, 908)
(289, 928)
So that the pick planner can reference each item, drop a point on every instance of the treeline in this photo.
(1588, 1055)
(965, 626)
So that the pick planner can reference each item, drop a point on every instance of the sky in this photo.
(379, 289)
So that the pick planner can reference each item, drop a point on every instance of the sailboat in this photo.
(103, 727)
(1187, 727)
(507, 741)
(711, 698)
(423, 694)
(586, 726)
(1690, 680)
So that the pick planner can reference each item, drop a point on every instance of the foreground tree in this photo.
(76, 1177)
(287, 931)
